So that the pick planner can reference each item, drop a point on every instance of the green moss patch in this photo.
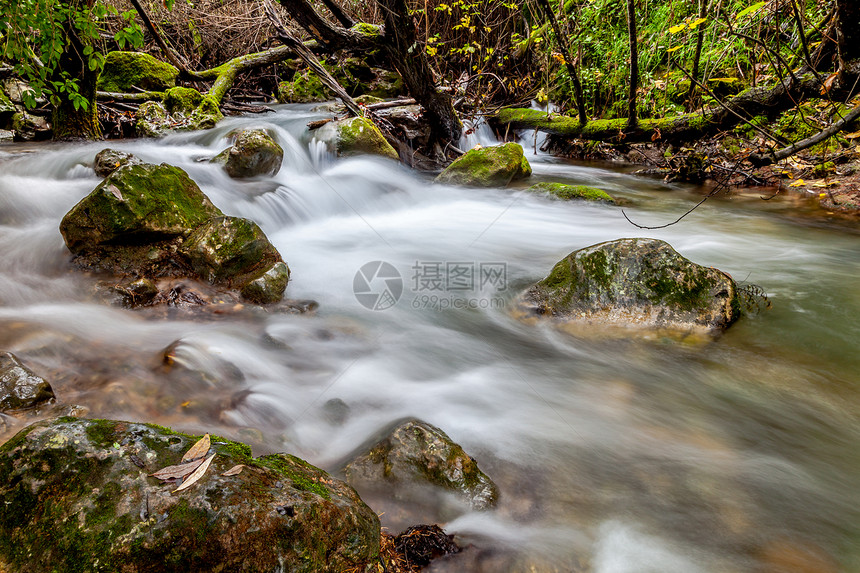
(569, 192)
(124, 71)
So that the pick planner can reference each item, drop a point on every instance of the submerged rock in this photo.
(85, 486)
(152, 221)
(494, 166)
(356, 136)
(636, 283)
(20, 387)
(109, 160)
(124, 71)
(254, 153)
(569, 192)
(416, 453)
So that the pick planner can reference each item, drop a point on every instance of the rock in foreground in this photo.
(76, 495)
(635, 283)
(20, 387)
(415, 453)
(494, 166)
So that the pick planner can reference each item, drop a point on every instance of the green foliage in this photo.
(36, 34)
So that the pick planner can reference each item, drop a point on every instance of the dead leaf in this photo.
(198, 450)
(235, 470)
(177, 471)
(825, 184)
(798, 183)
(852, 135)
(198, 473)
(116, 192)
(828, 83)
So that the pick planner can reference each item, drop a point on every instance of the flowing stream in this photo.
(612, 456)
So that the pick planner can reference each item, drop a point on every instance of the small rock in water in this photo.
(20, 387)
(253, 154)
(415, 453)
(109, 160)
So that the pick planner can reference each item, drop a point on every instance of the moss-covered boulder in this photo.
(77, 495)
(414, 454)
(269, 287)
(254, 153)
(152, 120)
(305, 87)
(124, 71)
(570, 192)
(157, 119)
(182, 100)
(356, 136)
(641, 283)
(230, 250)
(7, 108)
(29, 127)
(494, 166)
(109, 160)
(135, 205)
(153, 220)
(20, 387)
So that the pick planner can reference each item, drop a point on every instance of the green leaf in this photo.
(749, 10)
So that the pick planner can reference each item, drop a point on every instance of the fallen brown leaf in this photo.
(198, 473)
(198, 450)
(178, 471)
(235, 470)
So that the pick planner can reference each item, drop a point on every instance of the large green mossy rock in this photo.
(355, 136)
(76, 496)
(182, 100)
(415, 454)
(305, 87)
(153, 220)
(494, 166)
(635, 283)
(230, 250)
(571, 192)
(254, 153)
(137, 204)
(124, 71)
(20, 387)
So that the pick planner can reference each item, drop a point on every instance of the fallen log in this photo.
(753, 102)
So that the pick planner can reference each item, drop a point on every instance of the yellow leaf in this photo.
(198, 450)
(798, 183)
(696, 22)
(824, 184)
(198, 473)
(178, 471)
(852, 135)
(676, 29)
(675, 49)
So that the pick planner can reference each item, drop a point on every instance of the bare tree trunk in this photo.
(578, 98)
(339, 14)
(632, 118)
(70, 122)
(168, 52)
(847, 26)
(700, 38)
(410, 60)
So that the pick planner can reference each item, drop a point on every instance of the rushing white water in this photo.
(612, 456)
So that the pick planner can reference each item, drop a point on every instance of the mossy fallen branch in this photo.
(748, 104)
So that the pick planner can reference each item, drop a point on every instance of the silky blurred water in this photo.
(612, 456)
